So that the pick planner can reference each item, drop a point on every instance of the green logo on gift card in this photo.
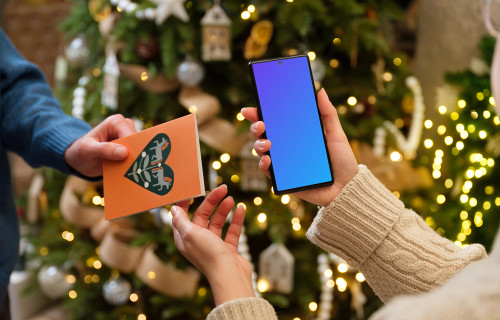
(149, 169)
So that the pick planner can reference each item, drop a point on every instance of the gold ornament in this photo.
(260, 35)
(99, 9)
(407, 103)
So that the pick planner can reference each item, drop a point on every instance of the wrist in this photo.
(230, 285)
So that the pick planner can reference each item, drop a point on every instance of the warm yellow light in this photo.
(438, 161)
(448, 140)
(468, 184)
(95, 278)
(342, 267)
(442, 109)
(387, 76)
(245, 15)
(312, 55)
(341, 284)
(458, 243)
(70, 278)
(464, 215)
(262, 285)
(295, 220)
(225, 157)
(466, 224)
(313, 306)
(242, 204)
(461, 237)
(491, 162)
(439, 153)
(360, 277)
(337, 41)
(486, 114)
(262, 217)
(482, 134)
(285, 199)
(464, 134)
(496, 120)
(133, 297)
(430, 222)
(473, 202)
(251, 8)
(142, 316)
(471, 128)
(202, 292)
(448, 183)
(330, 283)
(397, 62)
(460, 127)
(193, 109)
(436, 174)
(488, 189)
(72, 294)
(454, 116)
(334, 63)
(235, 178)
(257, 201)
(96, 200)
(144, 76)
(240, 116)
(441, 199)
(296, 226)
(464, 198)
(480, 96)
(396, 156)
(352, 101)
(441, 130)
(216, 165)
(469, 173)
(428, 143)
(486, 205)
(428, 124)
(492, 101)
(478, 219)
(254, 153)
(460, 145)
(97, 264)
(461, 104)
(151, 275)
(328, 273)
(497, 201)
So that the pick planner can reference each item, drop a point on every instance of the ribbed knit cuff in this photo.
(357, 221)
(244, 308)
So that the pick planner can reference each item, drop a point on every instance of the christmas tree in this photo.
(157, 60)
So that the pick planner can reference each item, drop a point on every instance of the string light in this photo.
(492, 101)
(460, 145)
(313, 306)
(442, 109)
(285, 199)
(396, 156)
(334, 63)
(471, 128)
(262, 217)
(480, 96)
(460, 127)
(464, 134)
(352, 101)
(257, 201)
(337, 41)
(142, 316)
(341, 284)
(448, 140)
(251, 8)
(397, 61)
(486, 114)
(496, 120)
(72, 294)
(235, 178)
(328, 273)
(474, 114)
(482, 134)
(240, 116)
(441, 199)
(461, 104)
(245, 15)
(133, 297)
(428, 124)
(225, 157)
(296, 226)
(387, 76)
(448, 183)
(216, 165)
(360, 277)
(144, 76)
(342, 267)
(441, 130)
(428, 143)
(454, 116)
(312, 55)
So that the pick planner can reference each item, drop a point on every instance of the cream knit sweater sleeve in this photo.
(392, 246)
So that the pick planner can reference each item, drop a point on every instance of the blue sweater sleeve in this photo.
(32, 122)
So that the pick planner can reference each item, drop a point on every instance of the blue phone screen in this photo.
(288, 105)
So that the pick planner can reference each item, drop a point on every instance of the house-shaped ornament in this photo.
(252, 179)
(276, 267)
(216, 34)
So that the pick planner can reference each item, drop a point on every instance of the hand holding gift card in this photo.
(163, 167)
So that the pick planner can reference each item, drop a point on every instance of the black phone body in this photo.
(286, 102)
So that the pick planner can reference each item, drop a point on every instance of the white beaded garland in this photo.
(243, 250)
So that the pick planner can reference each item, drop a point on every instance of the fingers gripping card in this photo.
(163, 167)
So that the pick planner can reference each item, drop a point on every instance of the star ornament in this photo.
(166, 8)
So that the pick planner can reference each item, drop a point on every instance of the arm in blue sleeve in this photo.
(32, 123)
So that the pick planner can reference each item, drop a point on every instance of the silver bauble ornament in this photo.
(77, 51)
(190, 72)
(53, 281)
(116, 291)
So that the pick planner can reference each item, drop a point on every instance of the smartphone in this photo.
(286, 102)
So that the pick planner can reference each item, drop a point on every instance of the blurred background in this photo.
(411, 83)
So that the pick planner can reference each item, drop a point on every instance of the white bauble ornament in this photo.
(116, 291)
(190, 72)
(77, 51)
(53, 281)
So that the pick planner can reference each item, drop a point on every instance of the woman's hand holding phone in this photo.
(344, 163)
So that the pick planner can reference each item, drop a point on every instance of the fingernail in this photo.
(174, 210)
(224, 185)
(253, 127)
(261, 143)
(121, 152)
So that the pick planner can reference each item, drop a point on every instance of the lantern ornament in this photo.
(216, 34)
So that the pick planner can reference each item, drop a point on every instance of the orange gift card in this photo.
(163, 167)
